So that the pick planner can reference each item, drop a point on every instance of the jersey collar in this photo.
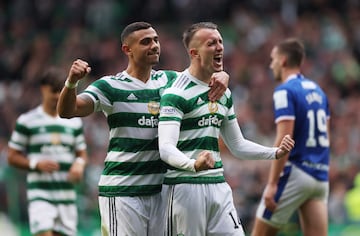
(294, 76)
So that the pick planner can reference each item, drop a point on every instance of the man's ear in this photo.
(194, 52)
(126, 49)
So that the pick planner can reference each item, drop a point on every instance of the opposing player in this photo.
(53, 150)
(199, 200)
(129, 187)
(300, 181)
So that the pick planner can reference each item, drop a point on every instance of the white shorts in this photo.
(132, 216)
(44, 216)
(201, 209)
(294, 188)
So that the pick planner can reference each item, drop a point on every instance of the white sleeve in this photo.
(241, 147)
(168, 138)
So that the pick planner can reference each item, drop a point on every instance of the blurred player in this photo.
(130, 185)
(53, 150)
(199, 200)
(300, 181)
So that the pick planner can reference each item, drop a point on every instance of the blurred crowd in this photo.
(35, 34)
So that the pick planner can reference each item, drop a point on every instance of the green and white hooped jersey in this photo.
(132, 166)
(44, 137)
(186, 102)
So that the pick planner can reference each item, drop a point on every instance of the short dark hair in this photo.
(294, 50)
(140, 25)
(189, 32)
(54, 77)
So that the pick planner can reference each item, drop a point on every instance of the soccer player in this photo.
(130, 185)
(199, 200)
(53, 150)
(298, 182)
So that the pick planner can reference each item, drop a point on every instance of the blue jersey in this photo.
(303, 101)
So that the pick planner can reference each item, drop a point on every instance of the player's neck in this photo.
(289, 71)
(49, 110)
(200, 74)
(139, 72)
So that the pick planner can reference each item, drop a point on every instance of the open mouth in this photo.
(154, 53)
(218, 59)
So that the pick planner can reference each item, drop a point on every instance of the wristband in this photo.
(32, 164)
(70, 85)
(80, 160)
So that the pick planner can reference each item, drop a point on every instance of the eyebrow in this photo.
(154, 37)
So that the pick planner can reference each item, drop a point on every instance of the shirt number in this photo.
(317, 120)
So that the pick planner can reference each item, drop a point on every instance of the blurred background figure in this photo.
(302, 110)
(352, 201)
(53, 151)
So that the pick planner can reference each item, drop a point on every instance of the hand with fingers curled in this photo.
(47, 166)
(219, 83)
(79, 69)
(204, 161)
(286, 145)
(269, 196)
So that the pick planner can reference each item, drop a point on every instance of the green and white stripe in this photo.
(132, 166)
(187, 103)
(43, 137)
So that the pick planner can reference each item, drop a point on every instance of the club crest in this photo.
(213, 107)
(153, 107)
(55, 139)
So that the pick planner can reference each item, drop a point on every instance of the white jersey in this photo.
(132, 166)
(189, 123)
(200, 126)
(43, 137)
(186, 105)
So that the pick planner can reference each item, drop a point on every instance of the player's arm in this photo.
(283, 127)
(169, 153)
(18, 159)
(69, 104)
(77, 169)
(246, 149)
(171, 114)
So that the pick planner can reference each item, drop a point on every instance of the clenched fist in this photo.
(204, 161)
(78, 70)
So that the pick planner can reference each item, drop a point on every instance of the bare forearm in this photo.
(276, 165)
(282, 128)
(67, 103)
(276, 168)
(76, 171)
(18, 160)
(83, 155)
